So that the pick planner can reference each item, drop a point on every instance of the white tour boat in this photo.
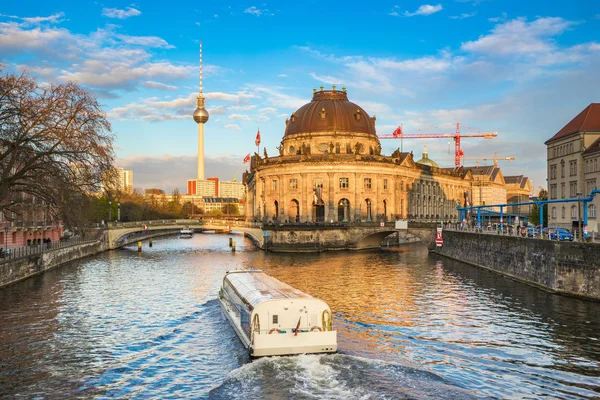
(272, 318)
(186, 233)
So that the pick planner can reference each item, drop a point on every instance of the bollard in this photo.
(139, 247)
(233, 247)
(230, 242)
(150, 242)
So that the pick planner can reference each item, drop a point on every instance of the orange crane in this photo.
(485, 159)
(458, 152)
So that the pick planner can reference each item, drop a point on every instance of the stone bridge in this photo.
(342, 236)
(277, 237)
(123, 234)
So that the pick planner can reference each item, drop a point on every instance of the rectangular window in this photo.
(385, 184)
(562, 190)
(592, 211)
(318, 182)
(274, 184)
(293, 183)
(275, 319)
(344, 183)
(367, 183)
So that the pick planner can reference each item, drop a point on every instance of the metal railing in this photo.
(510, 231)
(26, 251)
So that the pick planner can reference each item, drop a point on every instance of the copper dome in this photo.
(330, 111)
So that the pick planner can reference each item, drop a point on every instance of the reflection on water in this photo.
(124, 324)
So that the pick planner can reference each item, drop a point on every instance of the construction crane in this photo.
(496, 159)
(458, 152)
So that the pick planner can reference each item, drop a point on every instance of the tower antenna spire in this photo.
(201, 68)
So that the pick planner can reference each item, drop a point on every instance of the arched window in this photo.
(573, 212)
(592, 211)
(553, 212)
(563, 212)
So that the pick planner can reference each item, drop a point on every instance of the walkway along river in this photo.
(124, 324)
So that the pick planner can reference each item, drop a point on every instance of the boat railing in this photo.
(288, 330)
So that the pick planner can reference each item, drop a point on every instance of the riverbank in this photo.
(569, 268)
(30, 265)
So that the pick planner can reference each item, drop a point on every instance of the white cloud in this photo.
(519, 37)
(239, 98)
(425, 9)
(233, 126)
(145, 41)
(463, 16)
(282, 76)
(240, 117)
(279, 99)
(326, 78)
(257, 12)
(499, 19)
(268, 110)
(120, 14)
(54, 18)
(158, 85)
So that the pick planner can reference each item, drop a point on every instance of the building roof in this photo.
(330, 111)
(521, 180)
(593, 148)
(587, 120)
(488, 170)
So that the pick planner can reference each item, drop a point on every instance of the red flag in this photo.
(247, 159)
(257, 140)
(398, 132)
(297, 327)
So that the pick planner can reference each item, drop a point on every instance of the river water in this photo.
(410, 325)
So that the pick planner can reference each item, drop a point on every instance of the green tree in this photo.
(534, 215)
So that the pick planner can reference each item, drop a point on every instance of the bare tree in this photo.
(55, 142)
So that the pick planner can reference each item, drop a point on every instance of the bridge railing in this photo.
(184, 222)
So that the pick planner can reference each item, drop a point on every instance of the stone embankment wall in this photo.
(564, 267)
(25, 267)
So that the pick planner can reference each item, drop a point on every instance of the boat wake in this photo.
(336, 376)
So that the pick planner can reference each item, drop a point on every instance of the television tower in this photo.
(200, 116)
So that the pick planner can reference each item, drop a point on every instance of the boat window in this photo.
(275, 319)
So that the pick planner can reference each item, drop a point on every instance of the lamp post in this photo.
(119, 212)
(109, 210)
(579, 227)
(6, 228)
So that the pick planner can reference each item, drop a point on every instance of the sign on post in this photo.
(438, 238)
(401, 224)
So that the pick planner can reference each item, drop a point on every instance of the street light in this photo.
(109, 210)
(119, 212)
(579, 216)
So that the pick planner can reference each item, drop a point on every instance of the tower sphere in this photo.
(200, 115)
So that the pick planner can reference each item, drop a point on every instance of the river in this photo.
(410, 325)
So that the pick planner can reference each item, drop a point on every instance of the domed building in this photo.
(425, 160)
(330, 169)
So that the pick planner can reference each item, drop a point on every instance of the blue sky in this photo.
(522, 68)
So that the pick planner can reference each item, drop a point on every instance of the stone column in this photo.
(331, 198)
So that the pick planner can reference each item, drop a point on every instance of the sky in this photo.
(519, 68)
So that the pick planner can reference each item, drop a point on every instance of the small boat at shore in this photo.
(186, 233)
(273, 318)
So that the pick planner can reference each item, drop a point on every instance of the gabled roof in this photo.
(587, 120)
(593, 148)
(521, 180)
(487, 170)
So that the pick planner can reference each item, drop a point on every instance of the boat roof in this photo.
(256, 286)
